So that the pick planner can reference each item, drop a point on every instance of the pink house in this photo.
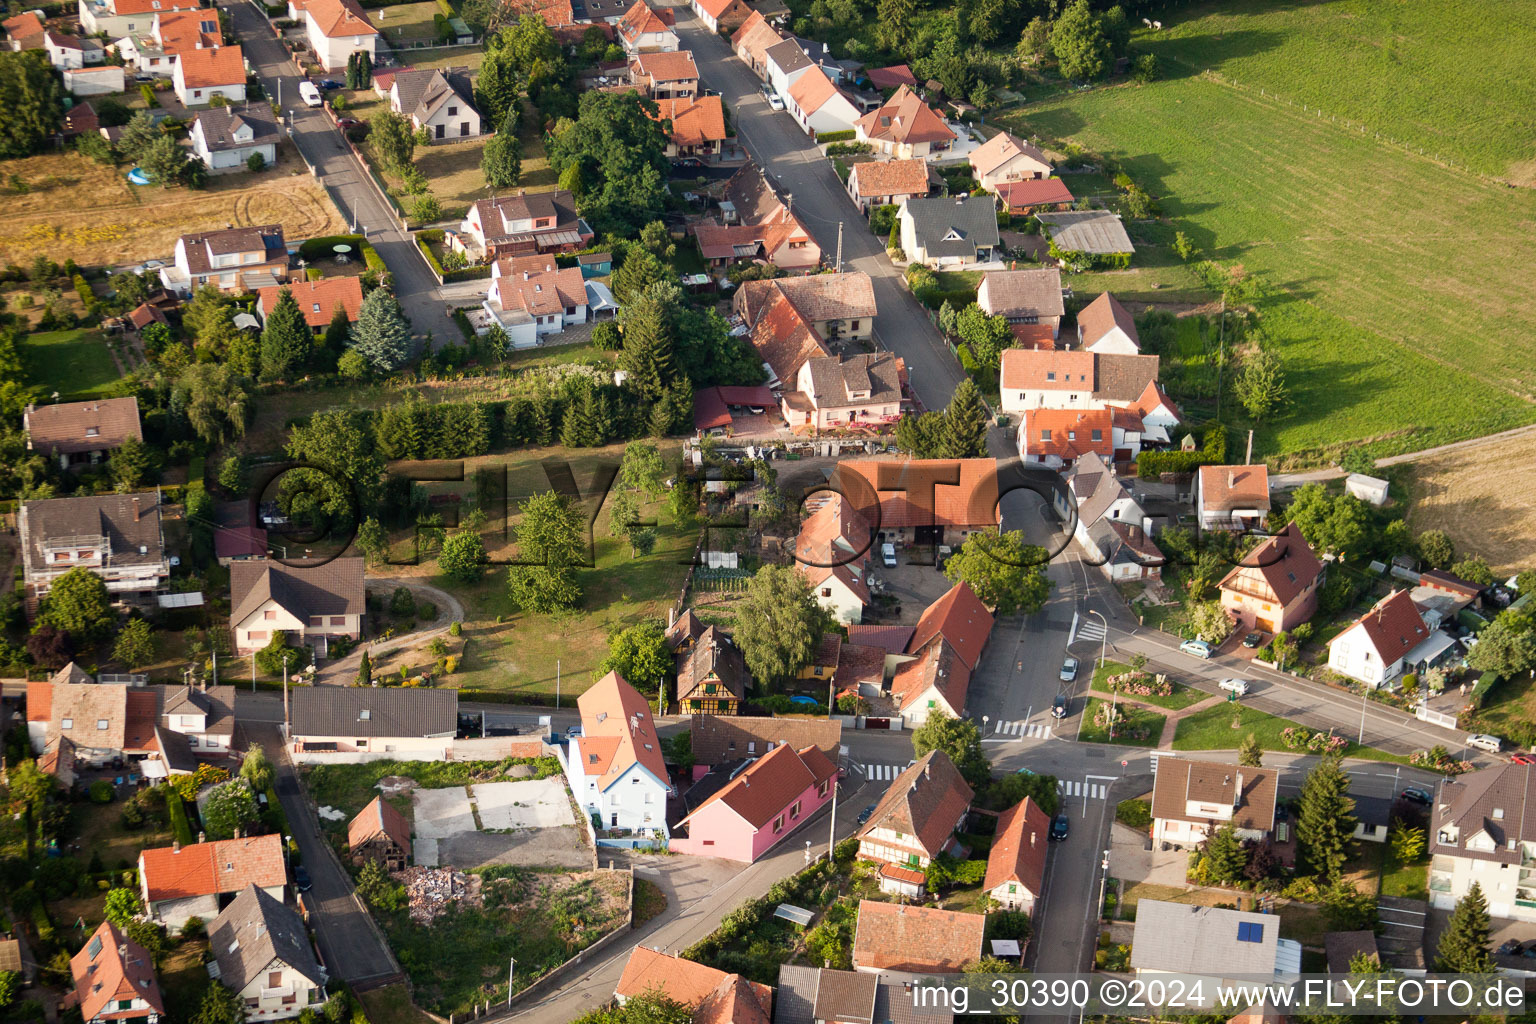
(760, 806)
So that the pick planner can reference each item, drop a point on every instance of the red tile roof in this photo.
(891, 639)
(905, 118)
(755, 36)
(1283, 565)
(112, 967)
(1020, 195)
(924, 802)
(959, 617)
(938, 667)
(735, 1001)
(894, 936)
(954, 493)
(1393, 626)
(208, 869)
(1035, 336)
(668, 66)
(1223, 488)
(1103, 315)
(318, 299)
(686, 981)
(695, 120)
(340, 18)
(1069, 433)
(379, 818)
(892, 77)
(1048, 370)
(891, 178)
(222, 65)
(772, 783)
(612, 709)
(153, 6)
(812, 90)
(1018, 849)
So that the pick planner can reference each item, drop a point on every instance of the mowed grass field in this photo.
(1399, 283)
(1451, 76)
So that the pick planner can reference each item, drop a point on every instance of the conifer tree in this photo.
(1249, 753)
(383, 335)
(1323, 822)
(285, 341)
(1225, 857)
(965, 424)
(1464, 944)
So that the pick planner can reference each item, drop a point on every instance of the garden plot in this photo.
(532, 803)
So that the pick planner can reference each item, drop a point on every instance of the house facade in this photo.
(1375, 649)
(199, 76)
(233, 259)
(115, 536)
(1191, 799)
(311, 605)
(118, 18)
(1483, 830)
(1057, 438)
(615, 765)
(712, 676)
(1274, 587)
(665, 75)
(177, 882)
(887, 182)
(531, 297)
(861, 392)
(439, 102)
(318, 300)
(832, 552)
(1005, 158)
(525, 223)
(1104, 325)
(905, 127)
(760, 807)
(914, 822)
(225, 138)
(950, 232)
(644, 29)
(1073, 379)
(1023, 297)
(1016, 863)
(695, 125)
(756, 223)
(336, 29)
(818, 105)
(721, 14)
(348, 725)
(265, 956)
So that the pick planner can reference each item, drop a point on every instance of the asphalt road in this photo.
(777, 145)
(344, 177)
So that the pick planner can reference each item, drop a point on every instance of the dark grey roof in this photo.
(370, 711)
(266, 239)
(1098, 232)
(753, 196)
(1342, 947)
(1096, 488)
(971, 219)
(1122, 378)
(217, 703)
(789, 55)
(109, 515)
(421, 91)
(335, 588)
(1372, 810)
(175, 750)
(807, 994)
(255, 930)
(221, 123)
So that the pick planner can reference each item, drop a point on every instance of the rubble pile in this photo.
(429, 891)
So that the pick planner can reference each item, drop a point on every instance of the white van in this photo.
(888, 555)
(309, 94)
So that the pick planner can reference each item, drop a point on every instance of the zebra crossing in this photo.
(1088, 790)
(1022, 729)
(882, 772)
(1090, 629)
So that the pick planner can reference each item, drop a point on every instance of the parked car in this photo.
(1199, 648)
(1059, 827)
(329, 83)
(1529, 949)
(143, 78)
(888, 555)
(1237, 686)
(1025, 771)
(1522, 759)
(301, 880)
(347, 122)
(1482, 741)
(1417, 795)
(1510, 948)
(309, 94)
(1253, 640)
(1059, 706)
(775, 101)
(867, 813)
(1068, 669)
(688, 162)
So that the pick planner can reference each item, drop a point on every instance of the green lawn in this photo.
(1408, 881)
(1381, 296)
(1182, 696)
(1508, 710)
(407, 22)
(1211, 729)
(75, 363)
(1139, 728)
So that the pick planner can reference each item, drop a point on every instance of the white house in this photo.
(1375, 649)
(819, 105)
(118, 18)
(71, 53)
(615, 765)
(439, 101)
(348, 725)
(950, 232)
(718, 14)
(1176, 938)
(1097, 495)
(786, 61)
(225, 138)
(312, 605)
(235, 259)
(1016, 863)
(530, 297)
(100, 81)
(643, 29)
(1191, 799)
(1106, 326)
(336, 29)
(1483, 830)
(1004, 158)
(933, 683)
(265, 956)
(200, 75)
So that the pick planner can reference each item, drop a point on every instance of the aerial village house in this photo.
(721, 14)
(792, 57)
(177, 882)
(525, 223)
(115, 536)
(1074, 379)
(666, 75)
(887, 182)
(115, 980)
(949, 232)
(1375, 649)
(1021, 198)
(1232, 497)
(1484, 830)
(1106, 326)
(905, 127)
(719, 740)
(311, 605)
(892, 77)
(914, 822)
(336, 29)
(531, 297)
(1274, 587)
(834, 307)
(1191, 799)
(118, 18)
(819, 105)
(318, 300)
(644, 29)
(1178, 938)
(846, 393)
(898, 937)
(712, 676)
(714, 996)
(380, 833)
(264, 955)
(72, 53)
(225, 138)
(1005, 158)
(695, 126)
(235, 259)
(922, 501)
(759, 807)
(200, 75)
(1057, 438)
(1023, 297)
(1016, 864)
(756, 224)
(615, 765)
(944, 651)
(72, 718)
(438, 101)
(154, 49)
(1096, 495)
(25, 31)
(348, 725)
(81, 433)
(750, 42)
(821, 995)
(832, 553)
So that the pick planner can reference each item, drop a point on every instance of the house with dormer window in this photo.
(264, 955)
(1192, 798)
(1375, 649)
(1483, 830)
(1274, 587)
(949, 232)
(318, 300)
(310, 604)
(117, 18)
(615, 765)
(233, 259)
(523, 223)
(914, 822)
(712, 677)
(437, 101)
(225, 138)
(115, 980)
(846, 393)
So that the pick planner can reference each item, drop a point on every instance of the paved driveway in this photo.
(778, 145)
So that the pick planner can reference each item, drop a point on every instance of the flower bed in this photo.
(1139, 684)
(1299, 738)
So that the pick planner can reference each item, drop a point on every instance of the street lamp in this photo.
(1103, 881)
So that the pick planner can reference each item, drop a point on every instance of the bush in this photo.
(1135, 813)
(256, 163)
(181, 829)
(101, 792)
(842, 136)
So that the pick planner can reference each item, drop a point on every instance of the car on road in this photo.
(1522, 759)
(1025, 771)
(775, 101)
(1059, 826)
(1068, 669)
(1482, 741)
(301, 880)
(1199, 648)
(309, 94)
(867, 813)
(1417, 795)
(1253, 640)
(1059, 706)
(1237, 686)
(143, 78)
(888, 555)
(1510, 948)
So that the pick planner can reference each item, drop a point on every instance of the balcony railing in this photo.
(1439, 883)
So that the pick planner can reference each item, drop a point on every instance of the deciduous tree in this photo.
(551, 543)
(639, 654)
(1007, 574)
(1077, 39)
(30, 102)
(1260, 384)
(502, 163)
(779, 624)
(619, 151)
(78, 604)
(122, 906)
(959, 739)
(256, 769)
(391, 137)
(463, 557)
(135, 644)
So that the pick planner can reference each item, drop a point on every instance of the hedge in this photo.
(475, 273)
(1151, 465)
(180, 827)
(843, 136)
(933, 297)
(148, 92)
(312, 249)
(447, 9)
(508, 697)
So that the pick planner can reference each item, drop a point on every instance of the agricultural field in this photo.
(1480, 497)
(75, 208)
(1381, 296)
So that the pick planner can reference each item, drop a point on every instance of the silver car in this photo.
(1069, 669)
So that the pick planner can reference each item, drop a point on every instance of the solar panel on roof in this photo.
(94, 948)
(1250, 931)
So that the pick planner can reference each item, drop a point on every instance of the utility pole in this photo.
(557, 682)
(839, 247)
(215, 668)
(1221, 338)
(1248, 458)
(511, 972)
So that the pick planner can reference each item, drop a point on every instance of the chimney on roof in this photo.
(135, 509)
(202, 837)
(1231, 479)
(176, 846)
(1032, 840)
(1237, 793)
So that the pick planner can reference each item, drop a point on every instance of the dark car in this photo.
(1510, 948)
(347, 122)
(328, 83)
(1059, 706)
(1282, 811)
(1529, 949)
(1253, 640)
(1418, 795)
(301, 880)
(688, 161)
(867, 813)
(1059, 826)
